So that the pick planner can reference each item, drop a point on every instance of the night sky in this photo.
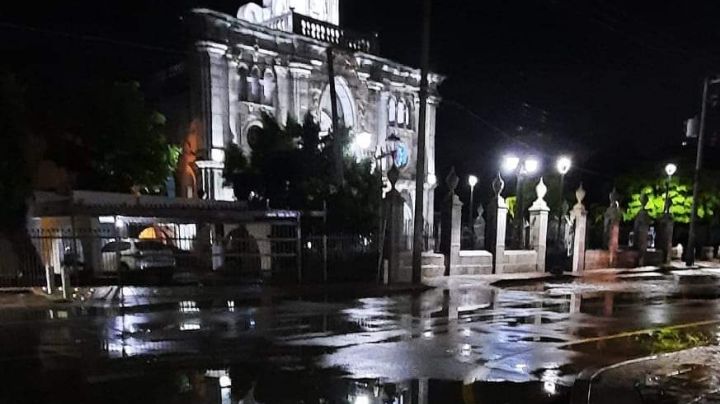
(607, 81)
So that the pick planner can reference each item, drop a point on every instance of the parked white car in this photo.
(148, 257)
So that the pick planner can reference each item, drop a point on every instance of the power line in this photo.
(91, 38)
(512, 138)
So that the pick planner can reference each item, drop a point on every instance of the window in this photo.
(151, 246)
(243, 84)
(255, 84)
(268, 87)
(392, 111)
(401, 113)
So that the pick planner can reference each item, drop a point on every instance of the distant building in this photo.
(273, 59)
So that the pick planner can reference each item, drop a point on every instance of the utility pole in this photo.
(419, 220)
(690, 255)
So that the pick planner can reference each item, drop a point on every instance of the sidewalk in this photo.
(687, 376)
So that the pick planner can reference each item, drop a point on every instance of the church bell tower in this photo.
(323, 10)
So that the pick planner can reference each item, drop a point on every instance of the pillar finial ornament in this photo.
(614, 198)
(497, 185)
(541, 189)
(580, 194)
(393, 175)
(452, 180)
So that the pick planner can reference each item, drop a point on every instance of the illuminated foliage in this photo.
(680, 194)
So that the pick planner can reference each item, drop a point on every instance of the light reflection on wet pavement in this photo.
(451, 345)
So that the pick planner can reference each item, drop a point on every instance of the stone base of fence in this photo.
(433, 265)
(516, 261)
(474, 262)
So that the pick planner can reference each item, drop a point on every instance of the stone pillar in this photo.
(640, 231)
(579, 216)
(497, 225)
(665, 237)
(451, 217)
(611, 229)
(539, 212)
(282, 110)
(395, 221)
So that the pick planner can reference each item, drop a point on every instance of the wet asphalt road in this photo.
(468, 343)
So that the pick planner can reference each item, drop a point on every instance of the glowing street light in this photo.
(510, 163)
(670, 170)
(472, 181)
(563, 165)
(531, 165)
(363, 140)
(521, 167)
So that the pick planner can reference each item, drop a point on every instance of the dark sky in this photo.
(609, 81)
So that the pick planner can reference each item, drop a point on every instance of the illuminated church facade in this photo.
(273, 58)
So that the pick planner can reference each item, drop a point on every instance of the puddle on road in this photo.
(254, 383)
(225, 351)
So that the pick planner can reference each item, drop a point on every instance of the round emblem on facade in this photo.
(402, 155)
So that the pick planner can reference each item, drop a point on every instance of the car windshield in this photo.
(151, 246)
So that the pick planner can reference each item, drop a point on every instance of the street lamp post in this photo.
(563, 165)
(521, 168)
(472, 181)
(670, 170)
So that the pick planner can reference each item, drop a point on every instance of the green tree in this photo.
(293, 166)
(680, 194)
(113, 140)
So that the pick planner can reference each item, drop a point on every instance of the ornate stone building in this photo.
(273, 58)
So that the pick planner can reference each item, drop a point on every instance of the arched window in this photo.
(268, 88)
(392, 111)
(255, 84)
(401, 113)
(243, 84)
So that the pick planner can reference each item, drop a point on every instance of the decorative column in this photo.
(539, 212)
(394, 219)
(579, 216)
(611, 231)
(451, 217)
(497, 225)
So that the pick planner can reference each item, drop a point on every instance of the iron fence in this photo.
(277, 253)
